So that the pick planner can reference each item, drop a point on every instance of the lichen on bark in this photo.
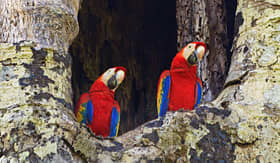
(241, 125)
(36, 94)
(36, 102)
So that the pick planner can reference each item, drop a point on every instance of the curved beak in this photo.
(116, 79)
(200, 51)
(197, 55)
(120, 75)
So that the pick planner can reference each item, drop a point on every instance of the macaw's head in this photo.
(194, 52)
(113, 77)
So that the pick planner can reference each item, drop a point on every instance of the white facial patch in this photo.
(108, 74)
(188, 50)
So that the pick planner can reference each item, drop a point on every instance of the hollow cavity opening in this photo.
(139, 35)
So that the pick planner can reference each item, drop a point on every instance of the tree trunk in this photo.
(205, 20)
(35, 79)
(241, 125)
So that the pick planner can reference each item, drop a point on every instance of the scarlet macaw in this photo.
(180, 87)
(97, 108)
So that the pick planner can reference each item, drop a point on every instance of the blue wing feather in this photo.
(198, 93)
(115, 119)
(163, 93)
(89, 112)
(84, 109)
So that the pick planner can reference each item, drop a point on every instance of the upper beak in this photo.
(120, 75)
(196, 56)
(200, 51)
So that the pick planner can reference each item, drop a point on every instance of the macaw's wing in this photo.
(115, 120)
(84, 109)
(198, 92)
(163, 93)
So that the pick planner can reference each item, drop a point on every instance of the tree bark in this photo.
(241, 125)
(35, 79)
(205, 20)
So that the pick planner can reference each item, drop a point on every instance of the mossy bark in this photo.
(35, 80)
(241, 125)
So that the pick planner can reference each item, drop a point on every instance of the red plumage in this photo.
(183, 83)
(98, 109)
(84, 98)
(103, 100)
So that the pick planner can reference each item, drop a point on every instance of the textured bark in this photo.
(241, 125)
(205, 20)
(52, 23)
(35, 80)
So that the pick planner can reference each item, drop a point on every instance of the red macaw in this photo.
(180, 87)
(98, 109)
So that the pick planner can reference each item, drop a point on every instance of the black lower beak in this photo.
(192, 60)
(112, 82)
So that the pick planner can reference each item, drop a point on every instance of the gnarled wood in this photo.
(35, 79)
(241, 125)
